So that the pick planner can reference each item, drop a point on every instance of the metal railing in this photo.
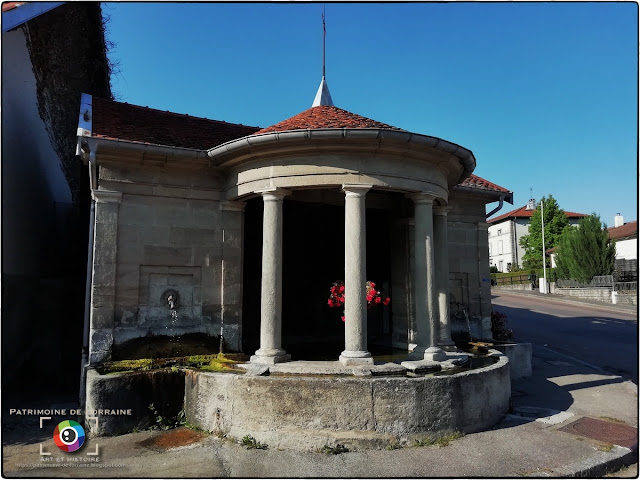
(600, 281)
(625, 287)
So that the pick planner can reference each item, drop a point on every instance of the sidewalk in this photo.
(567, 420)
(567, 299)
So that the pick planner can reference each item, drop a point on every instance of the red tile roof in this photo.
(122, 121)
(522, 212)
(6, 6)
(325, 116)
(475, 181)
(629, 229)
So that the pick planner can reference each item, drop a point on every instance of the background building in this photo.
(505, 232)
(626, 237)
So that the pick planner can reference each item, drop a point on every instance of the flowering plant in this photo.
(374, 297)
(500, 326)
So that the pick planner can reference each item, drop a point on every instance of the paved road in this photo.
(594, 334)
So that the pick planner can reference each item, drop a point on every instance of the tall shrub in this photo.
(586, 251)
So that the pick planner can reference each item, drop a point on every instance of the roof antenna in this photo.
(531, 204)
(324, 42)
(323, 97)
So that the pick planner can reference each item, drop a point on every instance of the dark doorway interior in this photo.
(313, 259)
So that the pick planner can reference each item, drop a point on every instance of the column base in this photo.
(360, 357)
(433, 354)
(270, 359)
(447, 345)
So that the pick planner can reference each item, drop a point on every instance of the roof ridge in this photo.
(512, 212)
(168, 112)
(320, 116)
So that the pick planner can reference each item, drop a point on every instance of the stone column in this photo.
(270, 351)
(355, 277)
(231, 264)
(103, 275)
(426, 302)
(441, 261)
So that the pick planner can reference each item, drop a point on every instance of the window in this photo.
(489, 249)
(500, 264)
(499, 232)
(500, 250)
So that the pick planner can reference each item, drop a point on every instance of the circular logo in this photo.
(68, 436)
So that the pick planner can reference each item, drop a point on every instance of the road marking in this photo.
(552, 314)
(586, 364)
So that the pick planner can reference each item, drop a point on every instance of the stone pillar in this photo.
(270, 351)
(103, 275)
(231, 289)
(484, 280)
(427, 321)
(355, 277)
(441, 262)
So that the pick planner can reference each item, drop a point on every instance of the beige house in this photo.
(212, 227)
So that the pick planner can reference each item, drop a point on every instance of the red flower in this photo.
(342, 318)
(378, 300)
(386, 301)
(331, 303)
(341, 288)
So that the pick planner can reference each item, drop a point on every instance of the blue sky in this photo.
(544, 94)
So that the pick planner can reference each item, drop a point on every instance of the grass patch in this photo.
(195, 428)
(440, 440)
(611, 419)
(337, 450)
(123, 366)
(216, 362)
(395, 445)
(605, 447)
(251, 443)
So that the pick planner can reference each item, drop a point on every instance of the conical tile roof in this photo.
(325, 116)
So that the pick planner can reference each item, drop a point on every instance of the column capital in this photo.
(106, 196)
(422, 198)
(232, 205)
(356, 190)
(441, 210)
(272, 194)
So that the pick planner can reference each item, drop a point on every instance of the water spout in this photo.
(171, 299)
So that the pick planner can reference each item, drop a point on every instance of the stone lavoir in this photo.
(207, 227)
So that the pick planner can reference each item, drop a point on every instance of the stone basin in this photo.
(306, 405)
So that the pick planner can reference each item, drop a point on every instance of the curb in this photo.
(601, 464)
(565, 299)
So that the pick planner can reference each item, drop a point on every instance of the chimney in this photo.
(531, 205)
(618, 220)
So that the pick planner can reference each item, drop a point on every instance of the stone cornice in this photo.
(345, 140)
(106, 196)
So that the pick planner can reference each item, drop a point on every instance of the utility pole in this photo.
(544, 263)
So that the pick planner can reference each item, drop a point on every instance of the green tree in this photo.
(586, 251)
(555, 221)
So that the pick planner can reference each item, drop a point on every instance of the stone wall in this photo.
(602, 294)
(524, 286)
(155, 235)
(469, 276)
(627, 299)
